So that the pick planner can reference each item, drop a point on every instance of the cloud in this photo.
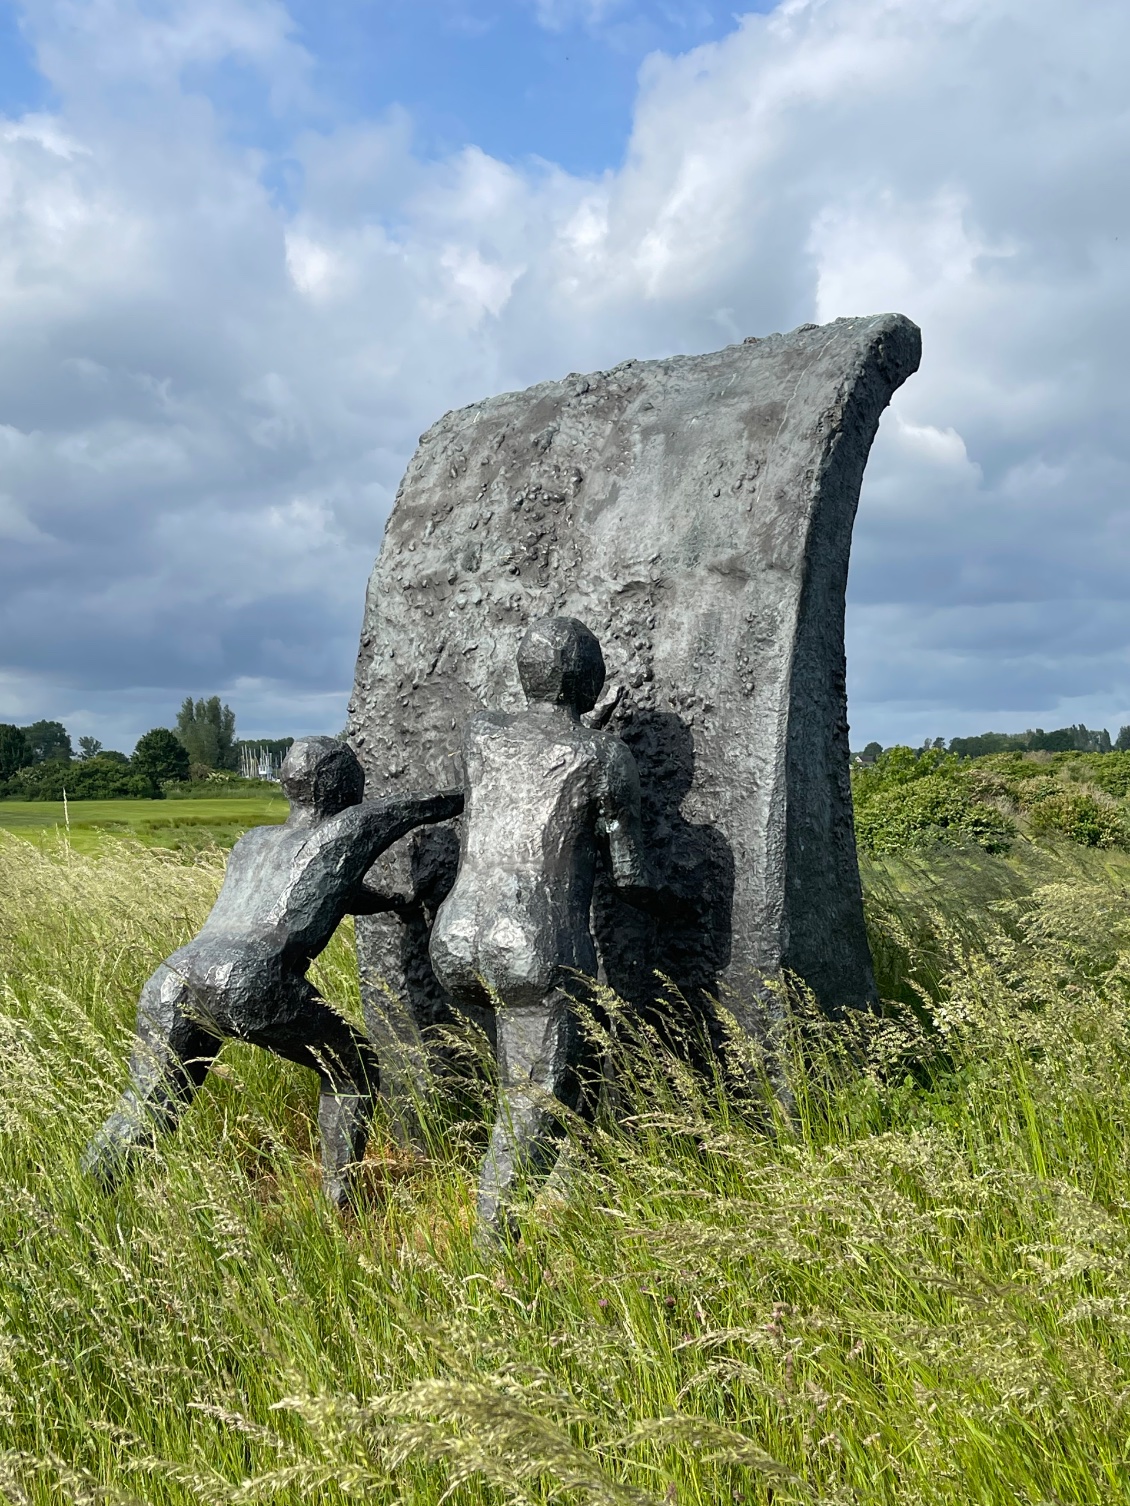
(217, 347)
(89, 48)
(556, 15)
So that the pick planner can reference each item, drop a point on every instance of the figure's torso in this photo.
(279, 904)
(531, 799)
(518, 913)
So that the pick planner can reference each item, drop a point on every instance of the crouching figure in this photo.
(544, 794)
(243, 976)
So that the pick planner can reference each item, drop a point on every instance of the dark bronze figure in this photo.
(244, 975)
(544, 794)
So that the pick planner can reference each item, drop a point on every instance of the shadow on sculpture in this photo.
(546, 796)
(691, 946)
(243, 976)
(434, 862)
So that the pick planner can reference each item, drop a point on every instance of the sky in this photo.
(249, 250)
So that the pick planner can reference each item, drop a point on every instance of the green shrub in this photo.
(1033, 791)
(92, 779)
(1015, 771)
(986, 784)
(899, 765)
(1076, 814)
(936, 808)
(1110, 771)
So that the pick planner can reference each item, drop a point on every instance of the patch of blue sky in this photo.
(518, 78)
(521, 79)
(23, 88)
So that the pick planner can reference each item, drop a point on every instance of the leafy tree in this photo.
(988, 742)
(1090, 739)
(88, 747)
(207, 730)
(1079, 739)
(872, 751)
(95, 778)
(159, 756)
(14, 750)
(49, 742)
(1122, 741)
(1062, 740)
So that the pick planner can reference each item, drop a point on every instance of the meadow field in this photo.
(180, 825)
(888, 1264)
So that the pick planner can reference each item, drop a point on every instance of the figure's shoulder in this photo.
(354, 818)
(610, 746)
(255, 838)
(250, 849)
(616, 758)
(486, 724)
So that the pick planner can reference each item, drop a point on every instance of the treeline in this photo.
(39, 762)
(1077, 739)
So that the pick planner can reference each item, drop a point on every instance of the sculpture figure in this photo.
(243, 976)
(544, 793)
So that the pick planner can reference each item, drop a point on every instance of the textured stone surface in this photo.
(696, 514)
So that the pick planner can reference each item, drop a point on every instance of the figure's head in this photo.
(322, 774)
(560, 661)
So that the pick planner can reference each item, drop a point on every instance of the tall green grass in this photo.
(912, 1286)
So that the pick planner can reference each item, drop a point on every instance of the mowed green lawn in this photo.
(179, 824)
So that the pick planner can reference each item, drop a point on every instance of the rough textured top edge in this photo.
(881, 324)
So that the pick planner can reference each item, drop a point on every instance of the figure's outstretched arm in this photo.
(386, 821)
(619, 820)
(380, 824)
(620, 829)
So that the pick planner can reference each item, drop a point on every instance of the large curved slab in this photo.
(696, 513)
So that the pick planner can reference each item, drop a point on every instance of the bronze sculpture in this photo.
(696, 512)
(544, 794)
(243, 976)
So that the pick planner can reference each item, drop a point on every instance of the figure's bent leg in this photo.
(539, 1050)
(170, 1059)
(347, 1069)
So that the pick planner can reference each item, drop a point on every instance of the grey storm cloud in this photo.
(209, 387)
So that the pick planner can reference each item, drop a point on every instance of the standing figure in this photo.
(243, 976)
(544, 793)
